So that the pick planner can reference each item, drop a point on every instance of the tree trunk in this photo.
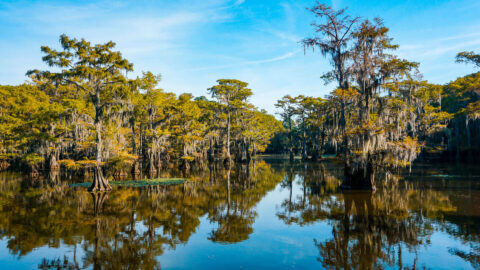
(211, 151)
(290, 140)
(100, 183)
(228, 159)
(135, 167)
(152, 171)
(134, 145)
(359, 178)
(457, 138)
(159, 161)
(4, 165)
(244, 152)
(53, 164)
(185, 165)
(467, 131)
(304, 141)
(228, 191)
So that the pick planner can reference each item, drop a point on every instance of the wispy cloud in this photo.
(239, 2)
(273, 59)
(440, 47)
(248, 63)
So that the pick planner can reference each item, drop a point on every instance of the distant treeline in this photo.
(451, 123)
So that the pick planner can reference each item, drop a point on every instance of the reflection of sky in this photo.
(272, 244)
(275, 245)
(435, 255)
(35, 257)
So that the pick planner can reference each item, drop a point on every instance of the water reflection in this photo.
(371, 230)
(130, 226)
(136, 227)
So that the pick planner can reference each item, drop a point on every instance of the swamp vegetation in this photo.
(345, 179)
(85, 115)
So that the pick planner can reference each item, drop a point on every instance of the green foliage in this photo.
(121, 161)
(468, 57)
(382, 114)
(33, 159)
(86, 111)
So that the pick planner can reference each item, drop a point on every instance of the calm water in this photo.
(267, 215)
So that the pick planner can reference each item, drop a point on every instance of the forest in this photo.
(86, 116)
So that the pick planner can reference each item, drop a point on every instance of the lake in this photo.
(266, 215)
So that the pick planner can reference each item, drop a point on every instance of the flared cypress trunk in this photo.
(100, 183)
(359, 178)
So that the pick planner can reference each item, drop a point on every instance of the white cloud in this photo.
(252, 62)
(239, 2)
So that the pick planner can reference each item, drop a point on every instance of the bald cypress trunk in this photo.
(304, 140)
(228, 159)
(100, 183)
(359, 178)
(244, 156)
(211, 151)
(290, 141)
(53, 164)
(135, 166)
(4, 165)
(457, 138)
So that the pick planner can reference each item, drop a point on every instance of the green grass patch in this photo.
(138, 183)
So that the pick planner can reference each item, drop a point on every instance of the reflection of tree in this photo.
(113, 249)
(243, 188)
(234, 222)
(129, 227)
(315, 180)
(369, 229)
(366, 236)
(473, 257)
(58, 264)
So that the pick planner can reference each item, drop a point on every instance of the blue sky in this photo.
(194, 43)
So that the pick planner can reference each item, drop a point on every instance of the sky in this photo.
(194, 43)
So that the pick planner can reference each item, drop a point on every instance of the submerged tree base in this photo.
(100, 183)
(359, 178)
